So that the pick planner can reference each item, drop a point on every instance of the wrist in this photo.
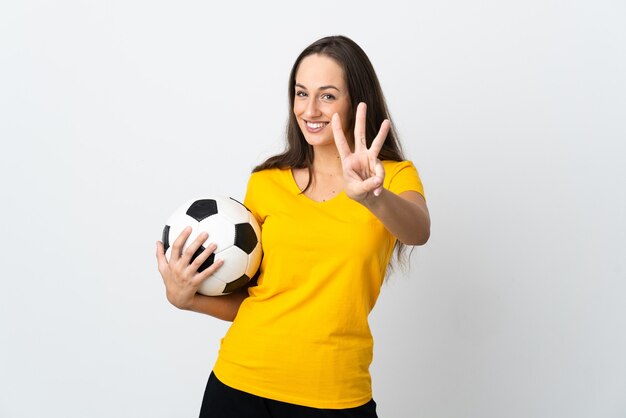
(194, 304)
(185, 304)
(371, 201)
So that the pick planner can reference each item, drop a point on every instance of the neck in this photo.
(326, 160)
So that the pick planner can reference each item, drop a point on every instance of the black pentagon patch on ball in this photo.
(207, 263)
(236, 284)
(245, 237)
(202, 209)
(166, 237)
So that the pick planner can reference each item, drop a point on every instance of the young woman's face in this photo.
(320, 92)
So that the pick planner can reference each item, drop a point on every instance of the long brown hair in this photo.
(363, 86)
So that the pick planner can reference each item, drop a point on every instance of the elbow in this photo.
(419, 235)
(417, 239)
(424, 238)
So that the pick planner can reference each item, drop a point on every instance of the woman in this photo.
(332, 208)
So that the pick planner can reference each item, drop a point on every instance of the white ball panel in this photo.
(255, 225)
(254, 260)
(235, 263)
(212, 287)
(180, 211)
(232, 210)
(221, 231)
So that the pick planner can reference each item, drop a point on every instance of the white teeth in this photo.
(316, 125)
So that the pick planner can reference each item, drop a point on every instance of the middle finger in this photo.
(360, 142)
(191, 250)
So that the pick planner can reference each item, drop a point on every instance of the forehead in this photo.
(319, 70)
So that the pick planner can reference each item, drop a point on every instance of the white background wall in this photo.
(112, 113)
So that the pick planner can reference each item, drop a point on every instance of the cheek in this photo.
(345, 111)
(298, 108)
(347, 119)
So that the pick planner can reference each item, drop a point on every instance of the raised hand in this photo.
(363, 173)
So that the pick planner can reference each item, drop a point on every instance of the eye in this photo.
(300, 93)
(328, 97)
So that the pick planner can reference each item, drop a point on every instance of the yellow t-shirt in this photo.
(302, 335)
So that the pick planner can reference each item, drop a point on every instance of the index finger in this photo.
(340, 138)
(177, 246)
(360, 140)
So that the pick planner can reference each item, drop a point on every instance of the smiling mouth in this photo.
(315, 125)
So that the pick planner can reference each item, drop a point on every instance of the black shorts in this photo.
(221, 401)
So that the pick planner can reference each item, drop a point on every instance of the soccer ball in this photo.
(232, 228)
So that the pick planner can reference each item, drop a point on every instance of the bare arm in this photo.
(222, 307)
(405, 215)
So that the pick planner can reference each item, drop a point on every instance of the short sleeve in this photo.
(402, 176)
(250, 201)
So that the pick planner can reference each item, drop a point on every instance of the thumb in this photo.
(380, 174)
(373, 183)
(160, 255)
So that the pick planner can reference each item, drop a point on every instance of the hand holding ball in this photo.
(232, 228)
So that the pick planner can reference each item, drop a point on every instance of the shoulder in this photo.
(269, 174)
(262, 188)
(401, 176)
(395, 167)
(268, 177)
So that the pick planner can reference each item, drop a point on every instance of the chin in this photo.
(317, 139)
(319, 142)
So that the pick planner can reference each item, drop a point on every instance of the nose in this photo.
(312, 109)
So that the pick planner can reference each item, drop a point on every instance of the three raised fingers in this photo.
(360, 134)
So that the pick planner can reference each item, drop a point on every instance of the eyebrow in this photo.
(330, 86)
